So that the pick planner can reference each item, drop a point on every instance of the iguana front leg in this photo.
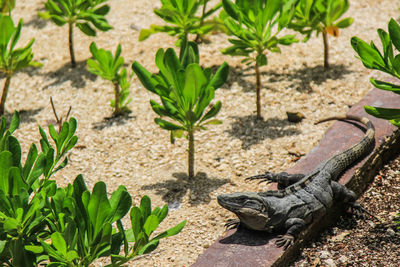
(294, 226)
(232, 223)
(283, 179)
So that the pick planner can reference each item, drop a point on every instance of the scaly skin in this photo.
(302, 197)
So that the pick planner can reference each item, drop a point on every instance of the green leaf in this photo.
(5, 165)
(150, 225)
(212, 112)
(370, 57)
(7, 29)
(172, 231)
(145, 206)
(344, 23)
(384, 113)
(14, 124)
(220, 76)
(99, 207)
(59, 243)
(145, 77)
(261, 60)
(86, 29)
(385, 86)
(168, 125)
(120, 202)
(394, 32)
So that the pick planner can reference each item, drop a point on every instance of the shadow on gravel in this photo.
(175, 189)
(113, 120)
(37, 22)
(78, 76)
(252, 131)
(300, 79)
(27, 115)
(243, 236)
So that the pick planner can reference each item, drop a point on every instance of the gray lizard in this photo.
(301, 198)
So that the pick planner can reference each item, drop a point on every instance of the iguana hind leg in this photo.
(347, 196)
(283, 179)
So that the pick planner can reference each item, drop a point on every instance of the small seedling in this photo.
(387, 62)
(182, 15)
(87, 15)
(321, 16)
(109, 67)
(59, 120)
(185, 90)
(12, 59)
(256, 25)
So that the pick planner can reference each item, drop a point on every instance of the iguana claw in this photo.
(232, 223)
(284, 241)
(359, 211)
(266, 177)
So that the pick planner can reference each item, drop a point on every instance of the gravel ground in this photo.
(134, 151)
(356, 242)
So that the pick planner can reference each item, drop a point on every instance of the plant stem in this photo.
(4, 95)
(117, 108)
(71, 43)
(258, 90)
(191, 154)
(326, 49)
(198, 37)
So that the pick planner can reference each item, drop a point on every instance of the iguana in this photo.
(301, 198)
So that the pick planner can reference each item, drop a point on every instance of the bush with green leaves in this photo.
(185, 90)
(87, 15)
(12, 59)
(24, 189)
(109, 67)
(182, 15)
(321, 16)
(6, 6)
(71, 226)
(385, 61)
(256, 25)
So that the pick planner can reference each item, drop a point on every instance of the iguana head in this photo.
(249, 207)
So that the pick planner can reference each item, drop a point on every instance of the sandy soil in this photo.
(134, 151)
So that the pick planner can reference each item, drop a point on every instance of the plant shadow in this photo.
(25, 115)
(252, 131)
(117, 120)
(300, 79)
(78, 76)
(36, 22)
(199, 188)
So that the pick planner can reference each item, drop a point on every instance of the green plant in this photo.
(12, 59)
(87, 15)
(24, 189)
(182, 15)
(387, 62)
(321, 16)
(6, 6)
(109, 67)
(256, 24)
(144, 221)
(71, 226)
(185, 91)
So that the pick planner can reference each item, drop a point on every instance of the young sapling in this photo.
(185, 90)
(12, 59)
(321, 16)
(255, 26)
(182, 15)
(109, 67)
(87, 15)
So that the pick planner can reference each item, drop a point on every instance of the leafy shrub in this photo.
(12, 59)
(256, 24)
(387, 62)
(321, 16)
(109, 67)
(87, 15)
(70, 226)
(182, 15)
(185, 91)
(6, 6)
